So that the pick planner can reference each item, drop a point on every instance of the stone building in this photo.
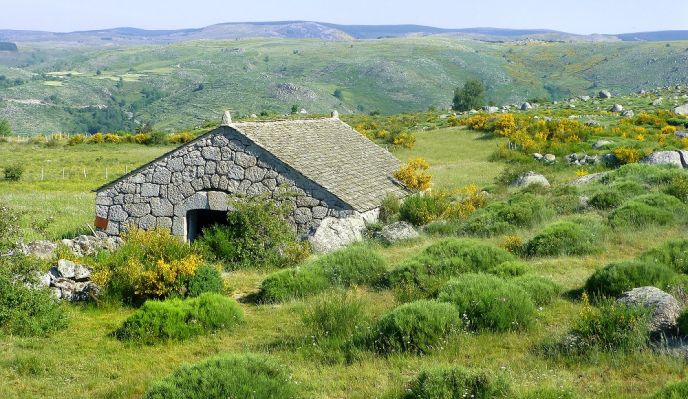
(325, 170)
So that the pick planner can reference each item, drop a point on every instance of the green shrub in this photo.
(644, 174)
(522, 210)
(649, 209)
(682, 323)
(677, 390)
(445, 259)
(14, 172)
(356, 265)
(563, 238)
(679, 188)
(611, 326)
(26, 310)
(606, 199)
(206, 279)
(293, 283)
(455, 383)
(152, 264)
(619, 277)
(229, 376)
(672, 253)
(334, 315)
(257, 234)
(417, 327)
(176, 319)
(541, 290)
(489, 303)
(389, 209)
(509, 269)
(422, 208)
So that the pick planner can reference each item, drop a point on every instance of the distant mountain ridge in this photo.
(312, 30)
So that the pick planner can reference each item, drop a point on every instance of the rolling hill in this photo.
(115, 79)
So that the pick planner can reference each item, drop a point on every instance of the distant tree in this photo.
(338, 94)
(294, 109)
(5, 128)
(98, 72)
(470, 96)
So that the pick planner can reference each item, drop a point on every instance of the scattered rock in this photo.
(604, 94)
(525, 106)
(592, 123)
(681, 134)
(657, 102)
(303, 111)
(583, 202)
(538, 156)
(616, 108)
(39, 249)
(88, 245)
(665, 308)
(490, 110)
(601, 144)
(70, 281)
(663, 158)
(582, 159)
(584, 98)
(530, 178)
(583, 180)
(334, 233)
(397, 231)
(682, 110)
(549, 158)
(628, 114)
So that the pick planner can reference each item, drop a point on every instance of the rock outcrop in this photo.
(70, 281)
(664, 307)
(531, 178)
(398, 231)
(335, 233)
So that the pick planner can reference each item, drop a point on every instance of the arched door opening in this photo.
(199, 219)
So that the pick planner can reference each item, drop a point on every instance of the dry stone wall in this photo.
(203, 174)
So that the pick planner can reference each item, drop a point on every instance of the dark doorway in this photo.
(199, 219)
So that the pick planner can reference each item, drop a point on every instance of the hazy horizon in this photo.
(581, 17)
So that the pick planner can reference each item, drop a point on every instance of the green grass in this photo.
(84, 361)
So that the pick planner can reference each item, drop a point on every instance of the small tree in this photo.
(14, 172)
(294, 109)
(470, 96)
(5, 128)
(338, 94)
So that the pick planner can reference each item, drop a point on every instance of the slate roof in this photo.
(331, 154)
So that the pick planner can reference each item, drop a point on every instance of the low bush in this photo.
(618, 277)
(678, 187)
(606, 199)
(257, 235)
(456, 382)
(672, 253)
(522, 210)
(417, 327)
(176, 319)
(611, 326)
(509, 269)
(229, 376)
(389, 209)
(677, 390)
(26, 309)
(541, 290)
(14, 172)
(294, 283)
(682, 323)
(206, 279)
(422, 208)
(489, 303)
(335, 316)
(563, 238)
(356, 265)
(151, 264)
(650, 209)
(445, 259)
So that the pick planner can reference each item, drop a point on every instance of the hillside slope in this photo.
(50, 89)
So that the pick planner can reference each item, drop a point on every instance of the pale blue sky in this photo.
(576, 16)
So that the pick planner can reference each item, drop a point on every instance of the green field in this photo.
(192, 82)
(83, 361)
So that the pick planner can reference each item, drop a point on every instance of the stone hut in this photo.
(325, 170)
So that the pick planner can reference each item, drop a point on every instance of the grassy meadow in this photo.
(84, 361)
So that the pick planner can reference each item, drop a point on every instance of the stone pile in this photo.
(70, 281)
(397, 231)
(583, 159)
(82, 245)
